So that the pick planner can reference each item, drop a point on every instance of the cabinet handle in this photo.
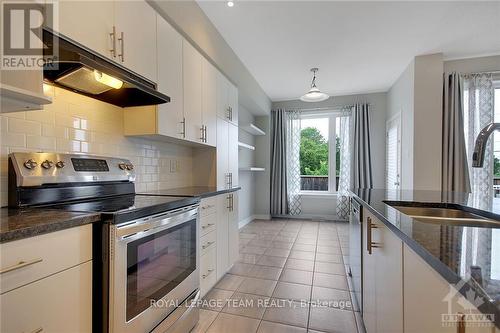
(207, 225)
(208, 273)
(205, 133)
(38, 330)
(113, 42)
(183, 132)
(21, 264)
(202, 130)
(232, 202)
(369, 243)
(207, 245)
(461, 324)
(122, 46)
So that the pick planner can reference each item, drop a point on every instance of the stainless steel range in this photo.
(148, 275)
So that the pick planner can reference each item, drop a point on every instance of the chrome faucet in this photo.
(480, 147)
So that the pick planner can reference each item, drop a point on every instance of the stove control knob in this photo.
(130, 167)
(60, 164)
(30, 164)
(47, 164)
(122, 166)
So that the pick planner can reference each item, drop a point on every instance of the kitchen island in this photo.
(429, 274)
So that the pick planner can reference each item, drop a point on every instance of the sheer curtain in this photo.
(345, 165)
(478, 112)
(293, 162)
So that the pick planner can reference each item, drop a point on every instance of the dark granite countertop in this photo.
(192, 191)
(22, 223)
(459, 252)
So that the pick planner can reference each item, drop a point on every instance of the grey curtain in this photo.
(279, 187)
(361, 176)
(454, 172)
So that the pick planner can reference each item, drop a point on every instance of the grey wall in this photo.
(324, 206)
(427, 120)
(188, 18)
(416, 96)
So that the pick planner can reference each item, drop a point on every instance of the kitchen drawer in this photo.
(207, 206)
(208, 223)
(208, 242)
(208, 276)
(59, 303)
(27, 260)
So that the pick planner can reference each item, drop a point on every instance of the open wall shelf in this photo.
(245, 146)
(252, 129)
(252, 169)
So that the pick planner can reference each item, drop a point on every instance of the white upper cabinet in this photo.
(233, 155)
(192, 60)
(170, 115)
(227, 100)
(209, 102)
(89, 23)
(135, 23)
(222, 154)
(233, 103)
(124, 31)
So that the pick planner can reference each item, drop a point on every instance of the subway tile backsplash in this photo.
(77, 124)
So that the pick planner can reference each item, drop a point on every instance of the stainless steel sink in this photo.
(451, 216)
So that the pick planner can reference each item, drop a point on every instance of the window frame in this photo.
(332, 157)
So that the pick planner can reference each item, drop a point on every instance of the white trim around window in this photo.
(332, 133)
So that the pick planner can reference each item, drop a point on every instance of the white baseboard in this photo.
(249, 219)
(326, 217)
(244, 222)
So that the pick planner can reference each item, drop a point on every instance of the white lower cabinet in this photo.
(59, 303)
(382, 277)
(222, 235)
(233, 229)
(219, 246)
(208, 270)
(432, 304)
(46, 282)
(402, 293)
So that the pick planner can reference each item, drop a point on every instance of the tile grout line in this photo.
(312, 282)
(261, 319)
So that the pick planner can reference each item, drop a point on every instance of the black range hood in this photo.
(75, 69)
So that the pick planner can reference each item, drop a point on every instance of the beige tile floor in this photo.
(290, 278)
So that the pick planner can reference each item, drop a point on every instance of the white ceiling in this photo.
(359, 47)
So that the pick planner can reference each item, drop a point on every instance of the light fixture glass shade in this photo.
(314, 95)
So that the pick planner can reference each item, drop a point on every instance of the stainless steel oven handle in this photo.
(158, 222)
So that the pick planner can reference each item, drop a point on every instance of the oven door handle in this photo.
(156, 224)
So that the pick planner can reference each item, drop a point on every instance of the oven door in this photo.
(154, 267)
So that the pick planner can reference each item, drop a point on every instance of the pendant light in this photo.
(314, 94)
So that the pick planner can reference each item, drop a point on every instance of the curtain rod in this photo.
(485, 72)
(332, 108)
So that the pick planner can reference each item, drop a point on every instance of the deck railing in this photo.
(315, 183)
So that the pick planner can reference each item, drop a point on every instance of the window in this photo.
(319, 153)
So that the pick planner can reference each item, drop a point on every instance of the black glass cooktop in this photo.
(128, 207)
